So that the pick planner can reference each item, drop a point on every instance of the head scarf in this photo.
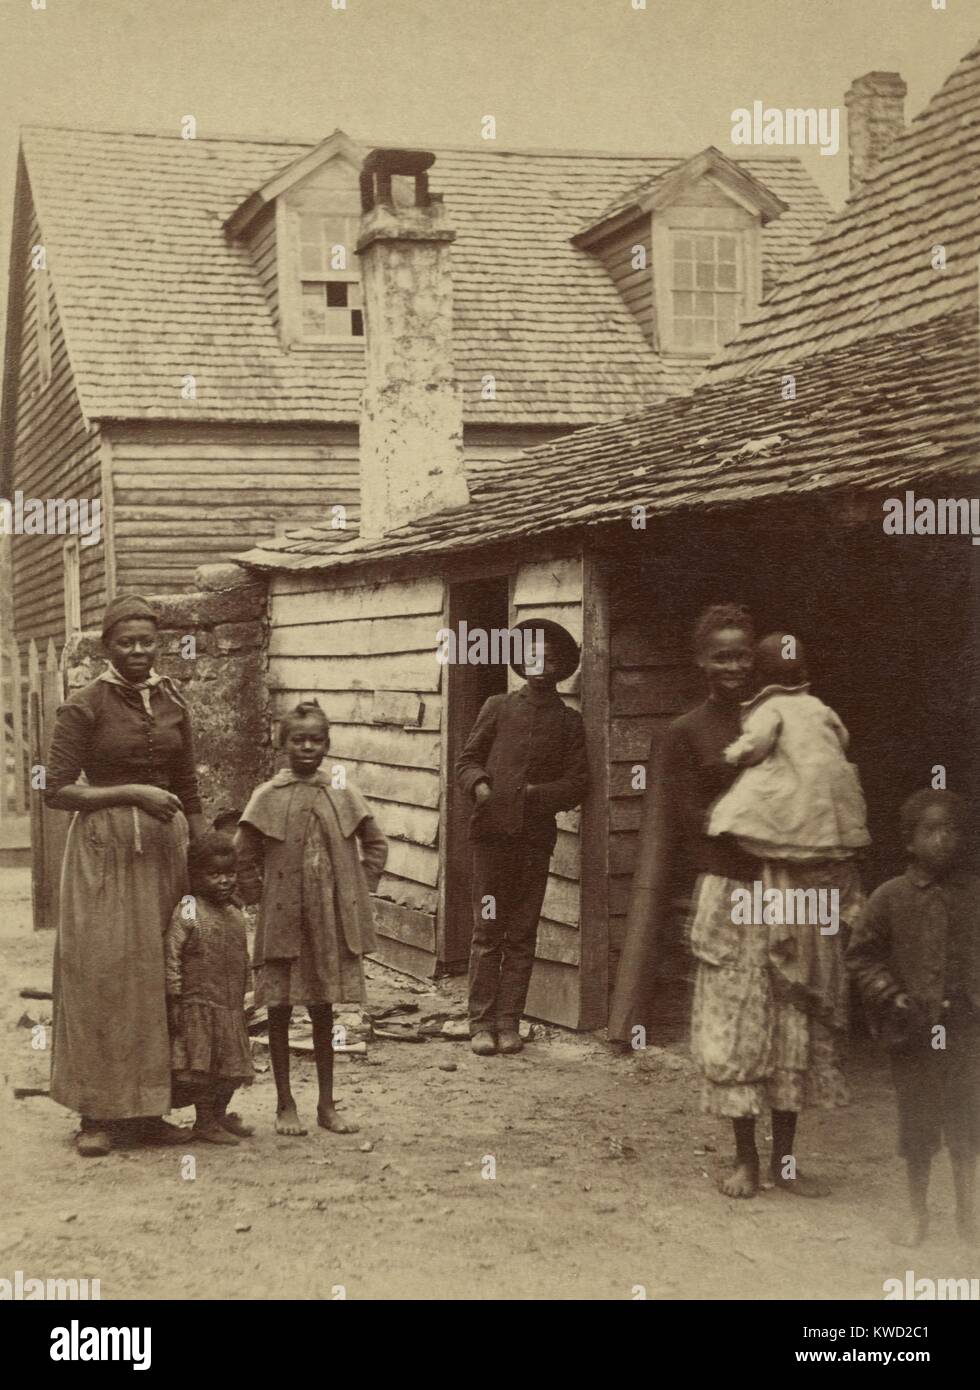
(124, 607)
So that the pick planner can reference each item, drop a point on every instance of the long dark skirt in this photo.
(123, 874)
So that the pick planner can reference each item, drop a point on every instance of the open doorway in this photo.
(479, 603)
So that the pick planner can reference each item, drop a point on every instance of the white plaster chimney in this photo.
(411, 431)
(875, 116)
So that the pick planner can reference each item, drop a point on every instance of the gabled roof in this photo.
(150, 288)
(665, 188)
(872, 269)
(861, 421)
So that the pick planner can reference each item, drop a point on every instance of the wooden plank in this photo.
(548, 581)
(553, 995)
(655, 690)
(593, 973)
(392, 747)
(406, 822)
(629, 738)
(382, 707)
(411, 671)
(412, 786)
(555, 941)
(359, 638)
(418, 896)
(625, 812)
(416, 929)
(561, 901)
(17, 693)
(408, 959)
(4, 686)
(416, 862)
(567, 858)
(108, 515)
(622, 852)
(312, 601)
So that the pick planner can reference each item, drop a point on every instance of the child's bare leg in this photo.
(287, 1120)
(326, 1114)
(782, 1164)
(915, 1231)
(743, 1180)
(964, 1183)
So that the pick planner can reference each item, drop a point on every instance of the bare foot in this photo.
(287, 1120)
(913, 1233)
(800, 1186)
(214, 1134)
(327, 1118)
(234, 1124)
(742, 1181)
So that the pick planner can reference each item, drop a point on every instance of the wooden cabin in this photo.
(764, 486)
(186, 330)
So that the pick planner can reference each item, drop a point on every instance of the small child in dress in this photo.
(207, 970)
(916, 958)
(298, 846)
(798, 797)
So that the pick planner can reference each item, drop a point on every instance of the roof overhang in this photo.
(734, 180)
(337, 144)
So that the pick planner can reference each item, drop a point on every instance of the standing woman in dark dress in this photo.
(754, 1051)
(124, 872)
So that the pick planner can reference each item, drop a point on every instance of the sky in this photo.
(582, 74)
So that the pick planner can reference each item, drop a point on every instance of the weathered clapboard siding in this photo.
(652, 680)
(261, 243)
(54, 453)
(367, 652)
(553, 589)
(187, 494)
(634, 282)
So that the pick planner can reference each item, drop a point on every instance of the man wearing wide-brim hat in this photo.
(523, 762)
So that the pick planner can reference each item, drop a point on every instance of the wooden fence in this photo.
(49, 829)
(13, 747)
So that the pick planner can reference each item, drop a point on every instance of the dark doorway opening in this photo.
(479, 603)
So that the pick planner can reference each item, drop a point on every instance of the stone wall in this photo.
(221, 674)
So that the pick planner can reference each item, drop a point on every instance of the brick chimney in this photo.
(411, 433)
(875, 116)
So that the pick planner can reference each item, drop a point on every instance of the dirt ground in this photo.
(604, 1180)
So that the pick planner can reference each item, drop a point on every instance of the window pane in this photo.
(357, 323)
(704, 305)
(682, 332)
(704, 333)
(726, 277)
(704, 248)
(726, 248)
(706, 275)
(682, 248)
(336, 294)
(683, 303)
(683, 275)
(314, 322)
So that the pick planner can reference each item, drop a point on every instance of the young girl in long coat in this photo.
(298, 850)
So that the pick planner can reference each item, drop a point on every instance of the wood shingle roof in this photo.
(873, 268)
(150, 289)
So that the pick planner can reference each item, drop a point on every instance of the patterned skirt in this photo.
(769, 1011)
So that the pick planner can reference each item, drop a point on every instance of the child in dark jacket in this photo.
(523, 761)
(916, 957)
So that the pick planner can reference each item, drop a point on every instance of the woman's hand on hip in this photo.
(156, 802)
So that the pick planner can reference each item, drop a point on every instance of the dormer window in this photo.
(706, 290)
(330, 287)
(685, 252)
